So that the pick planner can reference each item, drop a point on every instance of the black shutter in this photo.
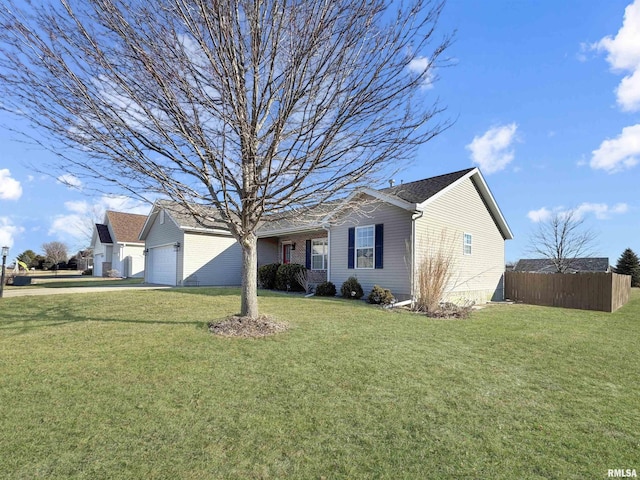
(352, 247)
(379, 245)
(307, 255)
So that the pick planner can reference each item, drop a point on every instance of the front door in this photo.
(286, 253)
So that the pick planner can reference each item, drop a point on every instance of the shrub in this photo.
(381, 296)
(434, 275)
(326, 289)
(88, 271)
(302, 277)
(113, 273)
(267, 275)
(351, 288)
(286, 277)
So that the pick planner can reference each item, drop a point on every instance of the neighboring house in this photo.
(381, 237)
(116, 246)
(545, 265)
(180, 251)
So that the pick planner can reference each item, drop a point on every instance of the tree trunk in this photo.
(249, 294)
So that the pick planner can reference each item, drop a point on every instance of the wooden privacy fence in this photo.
(605, 292)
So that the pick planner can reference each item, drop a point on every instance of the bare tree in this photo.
(55, 252)
(562, 239)
(246, 106)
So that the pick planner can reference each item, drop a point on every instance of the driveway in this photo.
(26, 292)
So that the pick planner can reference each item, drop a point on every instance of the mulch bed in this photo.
(247, 327)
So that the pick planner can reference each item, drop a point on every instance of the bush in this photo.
(113, 273)
(326, 289)
(267, 275)
(287, 277)
(381, 296)
(351, 288)
(88, 271)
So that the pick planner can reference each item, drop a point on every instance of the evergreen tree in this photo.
(628, 264)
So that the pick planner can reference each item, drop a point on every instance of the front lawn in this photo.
(131, 385)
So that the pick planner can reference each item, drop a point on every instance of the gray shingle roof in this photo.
(421, 190)
(544, 265)
(209, 217)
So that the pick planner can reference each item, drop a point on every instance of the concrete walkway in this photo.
(26, 292)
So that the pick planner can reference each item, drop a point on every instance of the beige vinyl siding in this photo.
(395, 274)
(477, 277)
(268, 251)
(214, 259)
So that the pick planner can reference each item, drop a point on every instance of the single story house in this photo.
(578, 265)
(379, 236)
(116, 246)
(382, 236)
(180, 251)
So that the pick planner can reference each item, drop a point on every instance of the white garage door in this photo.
(162, 265)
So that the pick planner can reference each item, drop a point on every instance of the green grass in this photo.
(131, 385)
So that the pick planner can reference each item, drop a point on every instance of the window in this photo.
(364, 246)
(319, 249)
(467, 243)
(286, 253)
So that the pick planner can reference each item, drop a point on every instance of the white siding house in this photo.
(381, 236)
(117, 249)
(182, 252)
(378, 236)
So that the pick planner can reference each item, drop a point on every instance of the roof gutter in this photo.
(417, 214)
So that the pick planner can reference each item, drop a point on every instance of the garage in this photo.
(161, 264)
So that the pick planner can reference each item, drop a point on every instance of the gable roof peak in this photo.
(421, 190)
(125, 226)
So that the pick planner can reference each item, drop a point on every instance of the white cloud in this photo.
(492, 151)
(619, 153)
(68, 226)
(628, 92)
(601, 211)
(121, 203)
(79, 206)
(70, 181)
(541, 215)
(623, 54)
(8, 232)
(420, 66)
(76, 226)
(10, 188)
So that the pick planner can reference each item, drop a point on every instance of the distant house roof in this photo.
(544, 265)
(421, 190)
(103, 233)
(126, 226)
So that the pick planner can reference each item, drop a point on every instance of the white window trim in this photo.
(465, 244)
(325, 256)
(372, 247)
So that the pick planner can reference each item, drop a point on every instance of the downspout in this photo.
(328, 230)
(417, 214)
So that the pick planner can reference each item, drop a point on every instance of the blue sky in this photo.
(545, 97)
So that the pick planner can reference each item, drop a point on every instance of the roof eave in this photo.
(289, 230)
